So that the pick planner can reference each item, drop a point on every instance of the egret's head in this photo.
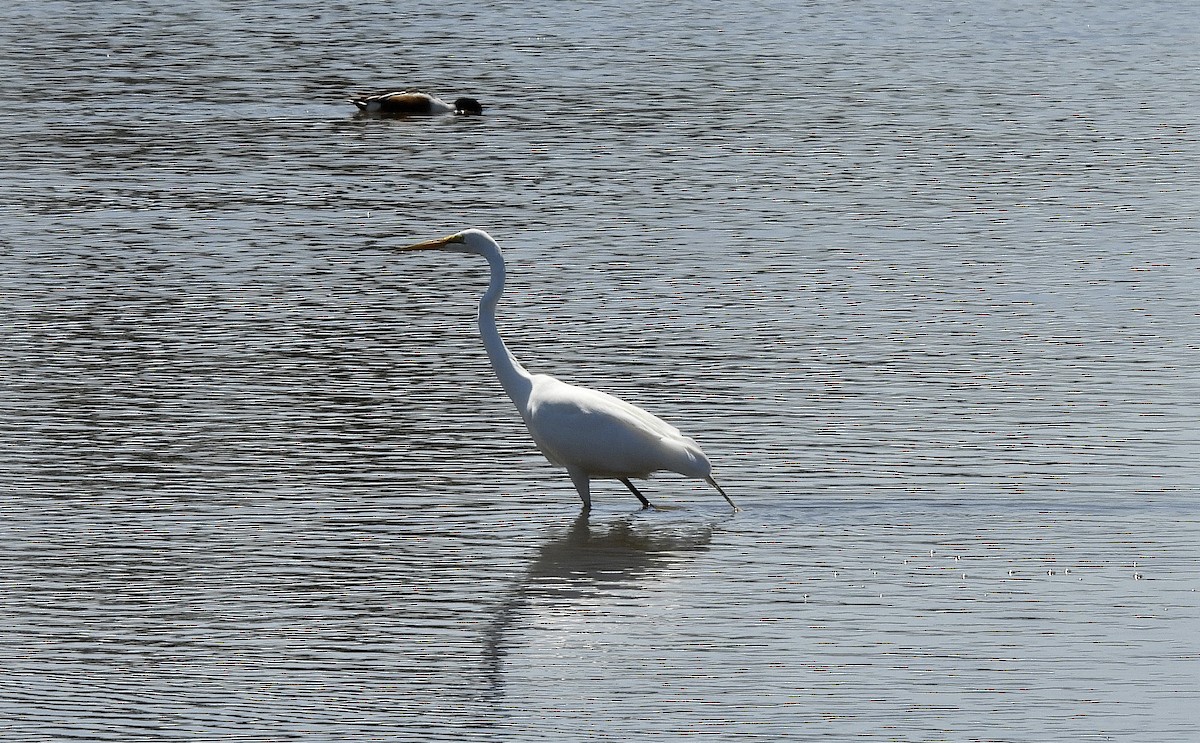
(468, 107)
(472, 241)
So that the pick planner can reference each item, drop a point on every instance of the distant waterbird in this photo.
(590, 433)
(414, 103)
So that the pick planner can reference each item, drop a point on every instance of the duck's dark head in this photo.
(468, 107)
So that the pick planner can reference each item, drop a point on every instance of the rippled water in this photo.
(921, 278)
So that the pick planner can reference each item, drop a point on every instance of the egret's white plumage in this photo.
(590, 433)
(413, 103)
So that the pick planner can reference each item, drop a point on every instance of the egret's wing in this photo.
(606, 436)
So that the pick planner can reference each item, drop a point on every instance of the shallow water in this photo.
(920, 278)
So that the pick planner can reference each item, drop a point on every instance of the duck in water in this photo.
(405, 103)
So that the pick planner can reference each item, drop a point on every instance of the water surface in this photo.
(921, 278)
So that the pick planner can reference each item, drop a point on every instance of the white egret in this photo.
(592, 434)
(414, 103)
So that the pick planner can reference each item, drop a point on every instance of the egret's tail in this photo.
(713, 482)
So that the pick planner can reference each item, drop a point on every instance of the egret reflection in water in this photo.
(593, 560)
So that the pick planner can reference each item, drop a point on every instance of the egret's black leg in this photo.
(713, 482)
(583, 484)
(635, 491)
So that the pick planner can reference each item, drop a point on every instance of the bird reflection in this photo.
(594, 559)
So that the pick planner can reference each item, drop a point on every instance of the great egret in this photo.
(416, 103)
(592, 434)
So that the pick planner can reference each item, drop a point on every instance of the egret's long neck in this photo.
(516, 382)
